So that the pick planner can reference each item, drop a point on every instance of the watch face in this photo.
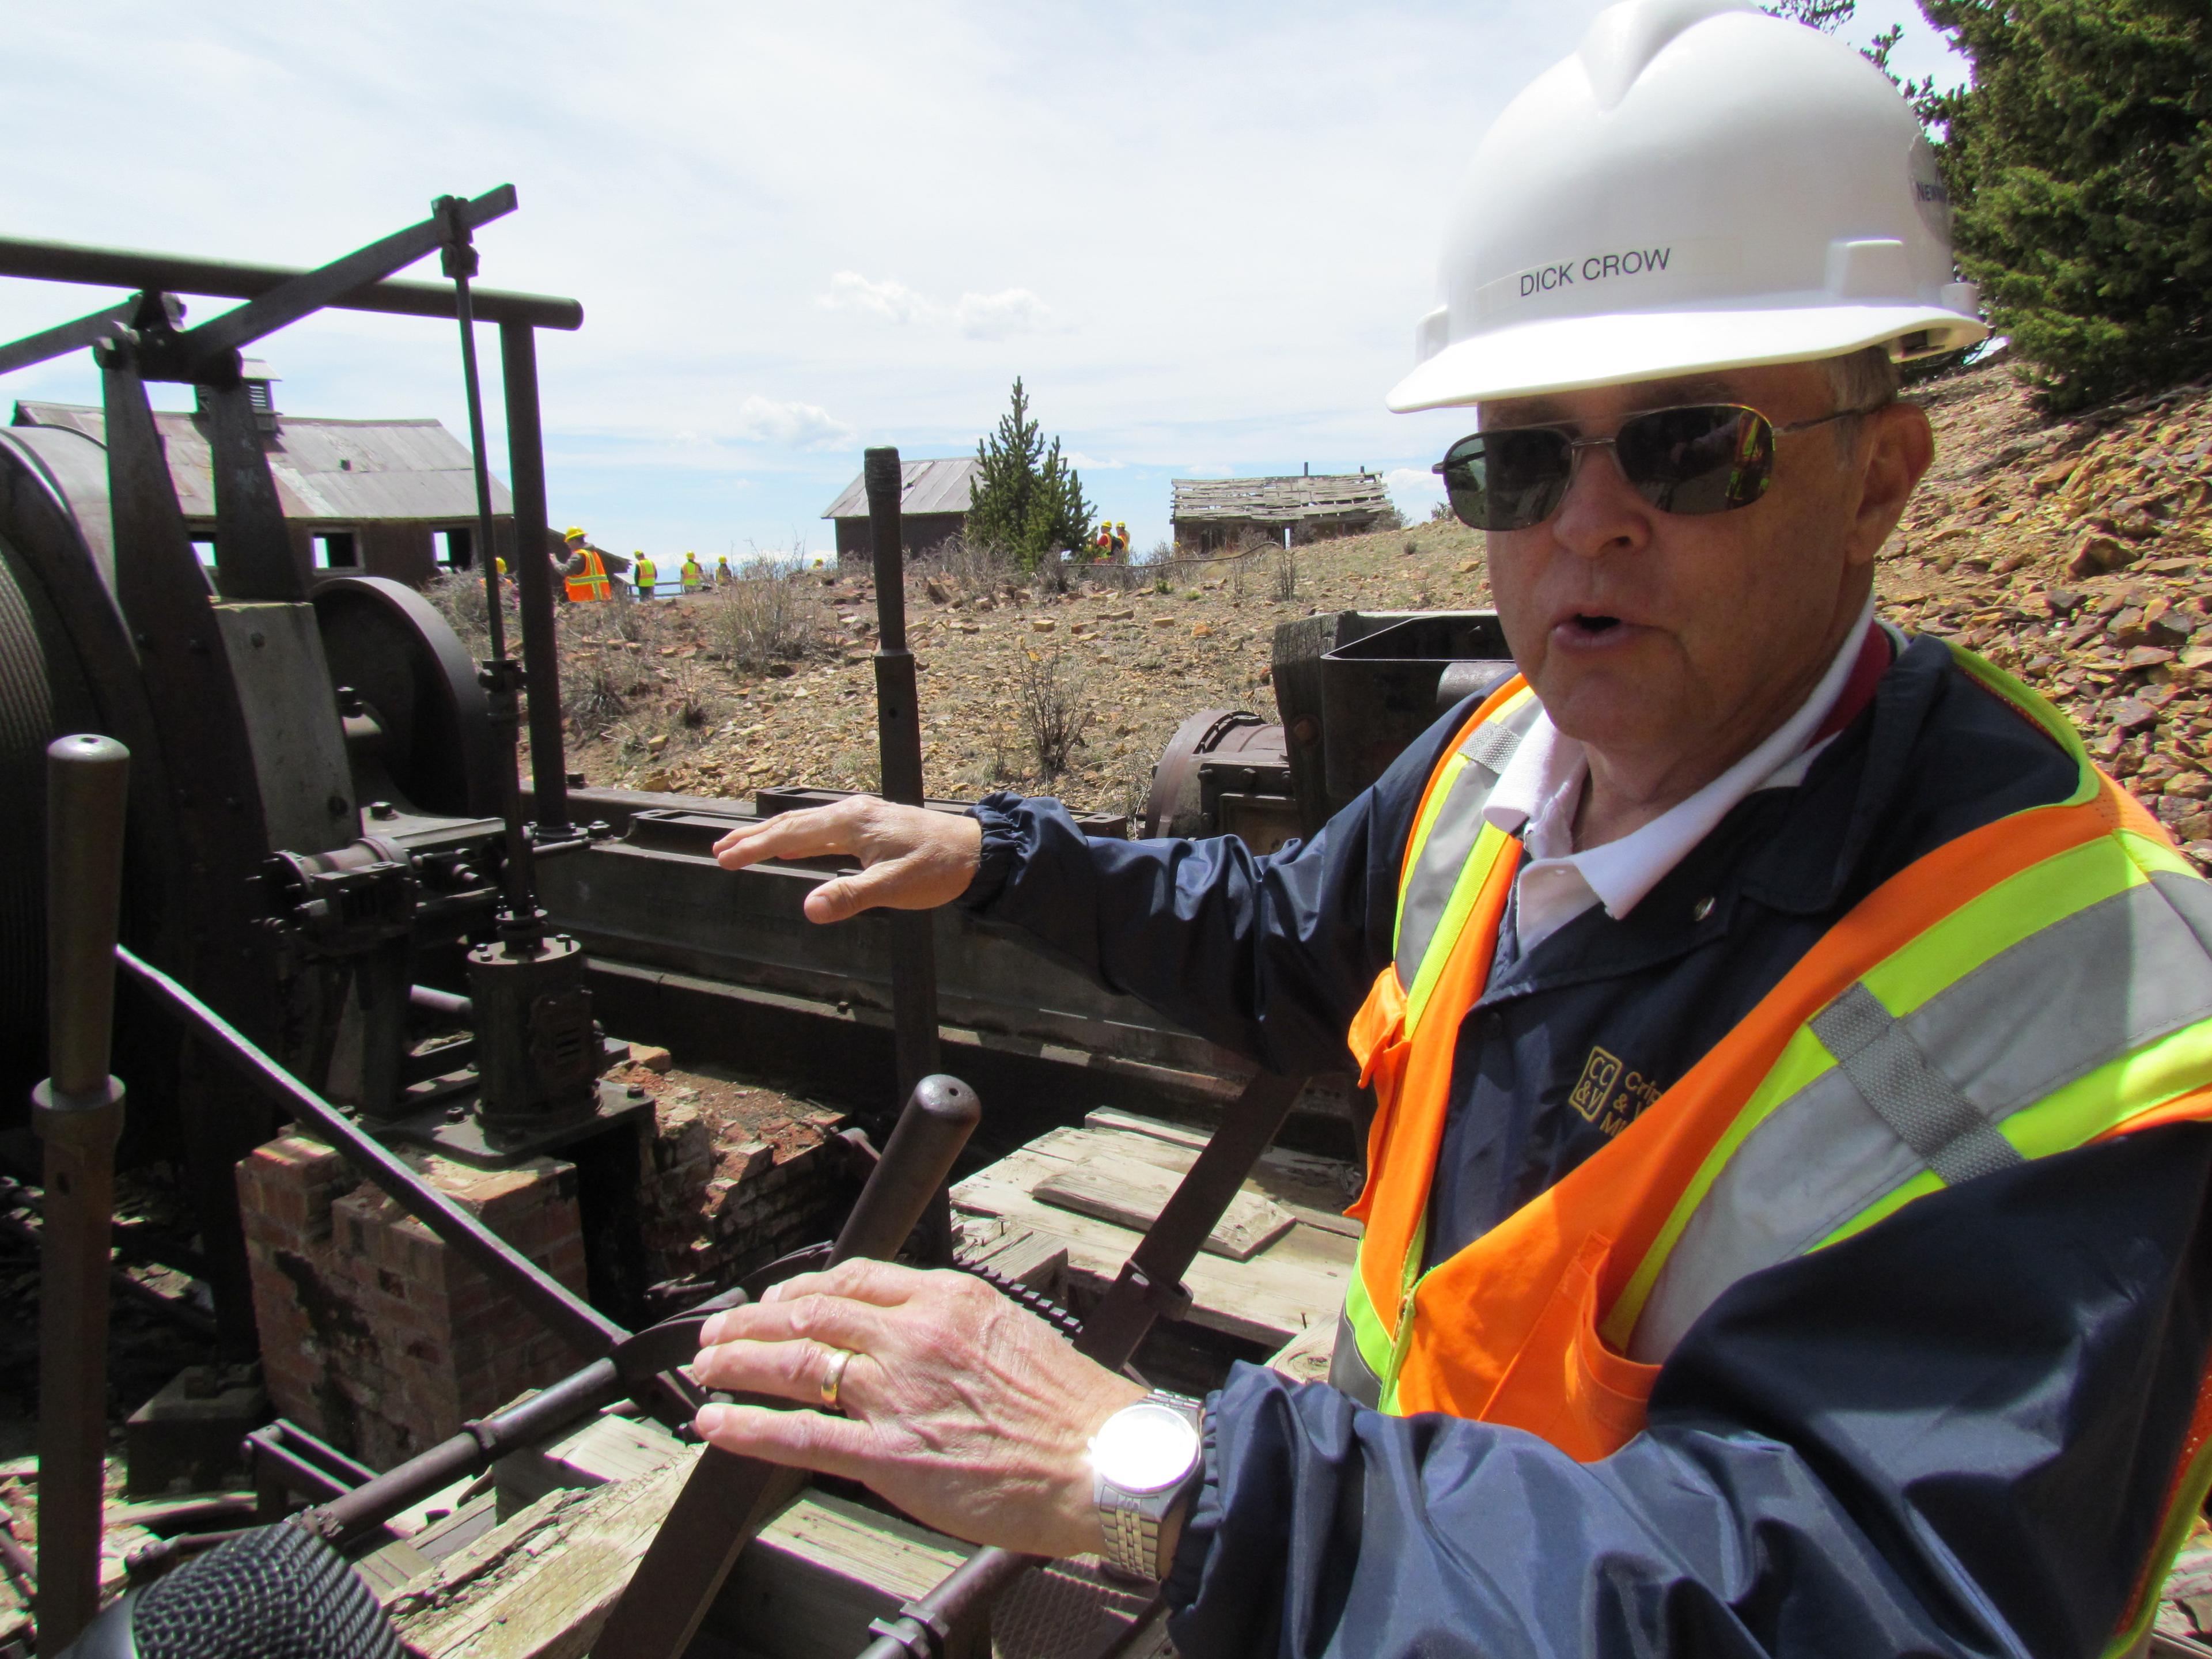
(1145, 1448)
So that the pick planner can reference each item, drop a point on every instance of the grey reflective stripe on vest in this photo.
(1348, 1371)
(1907, 1091)
(1452, 837)
(2061, 1003)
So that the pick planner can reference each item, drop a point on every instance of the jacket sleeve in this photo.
(1268, 956)
(1953, 1434)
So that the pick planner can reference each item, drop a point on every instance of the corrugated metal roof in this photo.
(412, 469)
(1278, 500)
(940, 486)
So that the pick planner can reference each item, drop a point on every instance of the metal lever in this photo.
(727, 1498)
(78, 1112)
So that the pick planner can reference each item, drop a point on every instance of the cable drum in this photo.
(43, 696)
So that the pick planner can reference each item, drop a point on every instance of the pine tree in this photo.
(1027, 499)
(2080, 165)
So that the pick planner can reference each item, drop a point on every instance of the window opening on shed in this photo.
(337, 551)
(204, 546)
(456, 549)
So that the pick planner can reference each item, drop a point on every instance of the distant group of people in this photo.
(592, 574)
(1112, 541)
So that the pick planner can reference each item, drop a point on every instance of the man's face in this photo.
(1648, 633)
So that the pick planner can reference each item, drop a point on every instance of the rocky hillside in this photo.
(2074, 553)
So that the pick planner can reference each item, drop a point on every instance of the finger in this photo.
(810, 833)
(783, 1370)
(806, 1440)
(863, 1278)
(838, 1321)
(888, 884)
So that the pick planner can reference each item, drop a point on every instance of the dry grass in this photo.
(1055, 704)
(764, 619)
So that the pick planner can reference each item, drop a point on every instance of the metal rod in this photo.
(583, 1327)
(727, 1498)
(132, 268)
(444, 1004)
(940, 1114)
(1150, 1280)
(470, 1452)
(898, 736)
(78, 1112)
(533, 579)
(521, 927)
(64, 338)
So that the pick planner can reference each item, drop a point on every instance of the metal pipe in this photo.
(444, 1004)
(940, 1114)
(78, 1112)
(533, 579)
(1150, 1281)
(726, 1498)
(898, 737)
(131, 267)
(583, 1327)
(470, 1452)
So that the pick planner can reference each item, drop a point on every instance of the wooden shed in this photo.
(933, 497)
(1214, 513)
(391, 498)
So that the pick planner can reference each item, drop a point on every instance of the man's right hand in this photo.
(911, 858)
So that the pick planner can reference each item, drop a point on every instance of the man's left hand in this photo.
(969, 1414)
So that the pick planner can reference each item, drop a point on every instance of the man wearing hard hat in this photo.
(1785, 1225)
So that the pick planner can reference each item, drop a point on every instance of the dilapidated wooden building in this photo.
(1215, 513)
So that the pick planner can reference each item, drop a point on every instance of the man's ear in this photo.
(1898, 447)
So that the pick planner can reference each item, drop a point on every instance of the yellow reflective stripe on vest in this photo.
(1383, 1353)
(1491, 844)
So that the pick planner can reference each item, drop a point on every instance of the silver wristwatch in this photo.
(1144, 1461)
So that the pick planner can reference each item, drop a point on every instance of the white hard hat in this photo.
(1699, 187)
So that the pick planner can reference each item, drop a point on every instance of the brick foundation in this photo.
(374, 1334)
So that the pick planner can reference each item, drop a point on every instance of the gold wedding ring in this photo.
(832, 1376)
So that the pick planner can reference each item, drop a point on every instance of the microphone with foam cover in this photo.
(274, 1593)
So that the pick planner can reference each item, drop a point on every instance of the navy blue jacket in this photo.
(1951, 1434)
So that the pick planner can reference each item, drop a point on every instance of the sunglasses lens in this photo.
(1709, 458)
(1508, 480)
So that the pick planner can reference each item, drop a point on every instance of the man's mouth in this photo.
(1590, 624)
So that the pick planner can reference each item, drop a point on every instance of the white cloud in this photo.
(791, 425)
(977, 316)
(1416, 485)
(1077, 459)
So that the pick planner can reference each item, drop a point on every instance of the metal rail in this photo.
(583, 1327)
(1149, 1287)
(132, 268)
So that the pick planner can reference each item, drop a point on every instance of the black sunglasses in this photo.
(1702, 457)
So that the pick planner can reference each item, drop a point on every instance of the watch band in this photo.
(1133, 1524)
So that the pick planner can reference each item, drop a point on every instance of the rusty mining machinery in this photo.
(324, 838)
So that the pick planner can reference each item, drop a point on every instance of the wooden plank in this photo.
(1269, 1299)
(601, 1448)
(1314, 1189)
(1132, 1194)
(820, 1571)
(1305, 1358)
(540, 1585)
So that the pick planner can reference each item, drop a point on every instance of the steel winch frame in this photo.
(344, 887)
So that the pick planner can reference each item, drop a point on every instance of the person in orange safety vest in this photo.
(1784, 1213)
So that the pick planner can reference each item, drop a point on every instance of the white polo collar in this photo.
(1537, 797)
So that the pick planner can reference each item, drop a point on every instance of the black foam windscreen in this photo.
(273, 1593)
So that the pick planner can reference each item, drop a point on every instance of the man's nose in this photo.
(1603, 512)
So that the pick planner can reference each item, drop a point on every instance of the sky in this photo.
(1200, 236)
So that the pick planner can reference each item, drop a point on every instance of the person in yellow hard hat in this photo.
(643, 569)
(1102, 546)
(1120, 539)
(694, 573)
(723, 577)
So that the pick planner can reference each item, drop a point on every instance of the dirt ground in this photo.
(2072, 553)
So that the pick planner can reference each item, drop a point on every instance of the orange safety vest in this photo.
(592, 583)
(1558, 1319)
